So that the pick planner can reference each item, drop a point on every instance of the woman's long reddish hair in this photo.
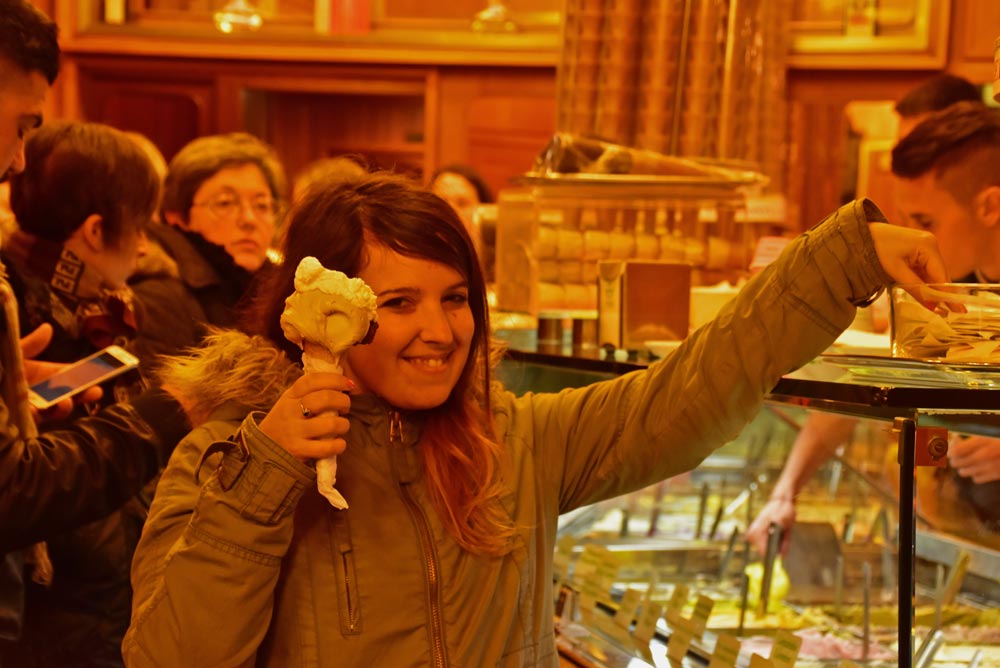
(334, 223)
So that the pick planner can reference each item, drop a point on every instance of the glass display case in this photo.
(663, 576)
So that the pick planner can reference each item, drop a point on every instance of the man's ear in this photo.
(988, 206)
(91, 232)
(176, 219)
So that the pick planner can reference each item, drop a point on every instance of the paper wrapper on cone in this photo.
(326, 468)
(327, 314)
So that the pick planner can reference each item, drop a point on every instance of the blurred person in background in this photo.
(155, 156)
(464, 189)
(222, 198)
(327, 170)
(946, 171)
(68, 262)
(933, 94)
(59, 480)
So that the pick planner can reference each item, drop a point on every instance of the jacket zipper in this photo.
(352, 621)
(430, 563)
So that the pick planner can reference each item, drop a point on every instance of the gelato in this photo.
(327, 314)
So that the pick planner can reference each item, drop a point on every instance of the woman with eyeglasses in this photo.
(221, 201)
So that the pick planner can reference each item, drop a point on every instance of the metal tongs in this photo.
(774, 534)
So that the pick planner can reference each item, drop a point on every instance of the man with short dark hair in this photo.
(948, 183)
(934, 94)
(61, 479)
(948, 171)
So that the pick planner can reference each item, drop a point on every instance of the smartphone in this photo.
(78, 376)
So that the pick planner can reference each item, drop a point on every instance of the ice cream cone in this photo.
(327, 314)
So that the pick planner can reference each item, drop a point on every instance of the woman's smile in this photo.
(425, 330)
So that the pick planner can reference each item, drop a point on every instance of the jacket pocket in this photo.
(348, 598)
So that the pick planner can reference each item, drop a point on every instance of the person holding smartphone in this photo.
(68, 262)
(58, 480)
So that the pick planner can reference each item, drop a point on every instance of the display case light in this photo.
(237, 15)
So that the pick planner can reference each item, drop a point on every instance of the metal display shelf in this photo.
(914, 395)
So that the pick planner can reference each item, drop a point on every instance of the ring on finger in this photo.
(305, 411)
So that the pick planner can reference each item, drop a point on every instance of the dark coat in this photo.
(78, 619)
(184, 284)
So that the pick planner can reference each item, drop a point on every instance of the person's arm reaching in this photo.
(821, 434)
(976, 457)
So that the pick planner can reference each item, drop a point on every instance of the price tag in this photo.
(757, 661)
(680, 641)
(675, 606)
(702, 609)
(645, 628)
(608, 627)
(585, 574)
(650, 588)
(727, 649)
(847, 663)
(785, 650)
(607, 571)
(627, 608)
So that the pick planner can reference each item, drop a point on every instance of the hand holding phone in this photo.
(78, 376)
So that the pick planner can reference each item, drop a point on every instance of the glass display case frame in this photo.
(904, 398)
(912, 395)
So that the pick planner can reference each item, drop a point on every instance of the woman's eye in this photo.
(396, 302)
(458, 299)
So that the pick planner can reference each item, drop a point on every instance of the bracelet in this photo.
(869, 300)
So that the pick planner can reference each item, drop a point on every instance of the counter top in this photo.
(961, 397)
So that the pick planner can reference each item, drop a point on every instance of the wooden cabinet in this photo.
(865, 34)
(411, 119)
(975, 25)
(419, 90)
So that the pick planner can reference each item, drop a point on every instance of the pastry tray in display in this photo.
(642, 184)
(916, 373)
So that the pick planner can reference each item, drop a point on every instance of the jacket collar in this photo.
(375, 414)
(196, 271)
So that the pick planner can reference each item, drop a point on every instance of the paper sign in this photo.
(757, 661)
(627, 608)
(847, 663)
(785, 650)
(727, 649)
(680, 641)
(678, 599)
(607, 571)
(585, 574)
(607, 626)
(650, 588)
(702, 609)
(645, 628)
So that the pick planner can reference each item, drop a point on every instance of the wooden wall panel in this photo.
(975, 25)
(159, 101)
(818, 133)
(496, 121)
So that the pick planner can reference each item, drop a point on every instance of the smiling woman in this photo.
(444, 557)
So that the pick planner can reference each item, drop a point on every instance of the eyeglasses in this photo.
(228, 206)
